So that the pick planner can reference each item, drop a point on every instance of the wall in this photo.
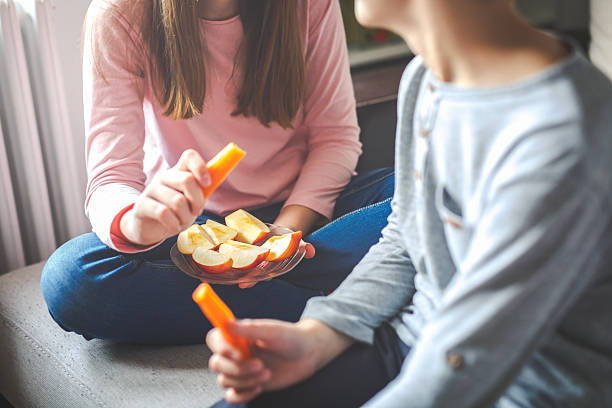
(69, 16)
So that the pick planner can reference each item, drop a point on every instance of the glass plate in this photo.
(262, 272)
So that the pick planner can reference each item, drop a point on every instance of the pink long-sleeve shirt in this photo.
(129, 139)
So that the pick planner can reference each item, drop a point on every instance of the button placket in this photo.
(425, 125)
(455, 360)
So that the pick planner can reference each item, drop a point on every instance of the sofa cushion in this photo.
(43, 366)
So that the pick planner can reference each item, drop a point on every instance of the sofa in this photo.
(41, 366)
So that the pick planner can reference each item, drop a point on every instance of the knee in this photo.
(382, 181)
(68, 285)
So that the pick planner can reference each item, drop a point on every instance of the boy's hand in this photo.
(170, 204)
(283, 354)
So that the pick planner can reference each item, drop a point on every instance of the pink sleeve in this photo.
(331, 117)
(114, 118)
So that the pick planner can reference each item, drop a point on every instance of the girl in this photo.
(168, 84)
(492, 285)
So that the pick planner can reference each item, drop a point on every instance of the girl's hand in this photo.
(298, 218)
(170, 203)
(283, 354)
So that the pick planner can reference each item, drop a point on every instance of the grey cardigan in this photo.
(496, 264)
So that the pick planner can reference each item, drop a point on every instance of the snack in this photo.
(220, 232)
(250, 229)
(244, 256)
(219, 315)
(192, 238)
(212, 261)
(282, 247)
(220, 166)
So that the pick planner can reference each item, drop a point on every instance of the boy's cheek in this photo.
(378, 13)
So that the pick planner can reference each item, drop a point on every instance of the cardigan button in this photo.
(453, 223)
(455, 360)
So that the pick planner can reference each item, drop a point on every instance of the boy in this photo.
(492, 284)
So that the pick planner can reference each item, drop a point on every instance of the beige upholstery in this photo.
(41, 366)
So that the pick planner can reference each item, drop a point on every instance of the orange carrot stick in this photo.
(219, 315)
(221, 166)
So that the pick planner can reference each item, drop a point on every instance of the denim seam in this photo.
(371, 183)
(12, 325)
(163, 266)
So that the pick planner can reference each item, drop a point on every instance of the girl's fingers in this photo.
(247, 285)
(238, 396)
(186, 183)
(310, 251)
(175, 200)
(192, 162)
(149, 208)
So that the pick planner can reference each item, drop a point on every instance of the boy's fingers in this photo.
(235, 369)
(217, 343)
(241, 396)
(266, 330)
(243, 382)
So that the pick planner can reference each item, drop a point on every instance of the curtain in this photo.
(601, 33)
(40, 176)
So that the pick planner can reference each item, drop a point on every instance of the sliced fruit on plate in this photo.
(283, 246)
(244, 256)
(212, 261)
(220, 232)
(192, 238)
(250, 229)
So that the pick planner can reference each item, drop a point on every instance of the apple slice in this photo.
(244, 256)
(250, 229)
(220, 232)
(192, 238)
(283, 246)
(212, 261)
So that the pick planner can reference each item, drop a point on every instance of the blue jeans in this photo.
(97, 292)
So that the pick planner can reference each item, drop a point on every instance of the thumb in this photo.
(310, 251)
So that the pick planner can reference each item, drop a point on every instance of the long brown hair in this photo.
(271, 54)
